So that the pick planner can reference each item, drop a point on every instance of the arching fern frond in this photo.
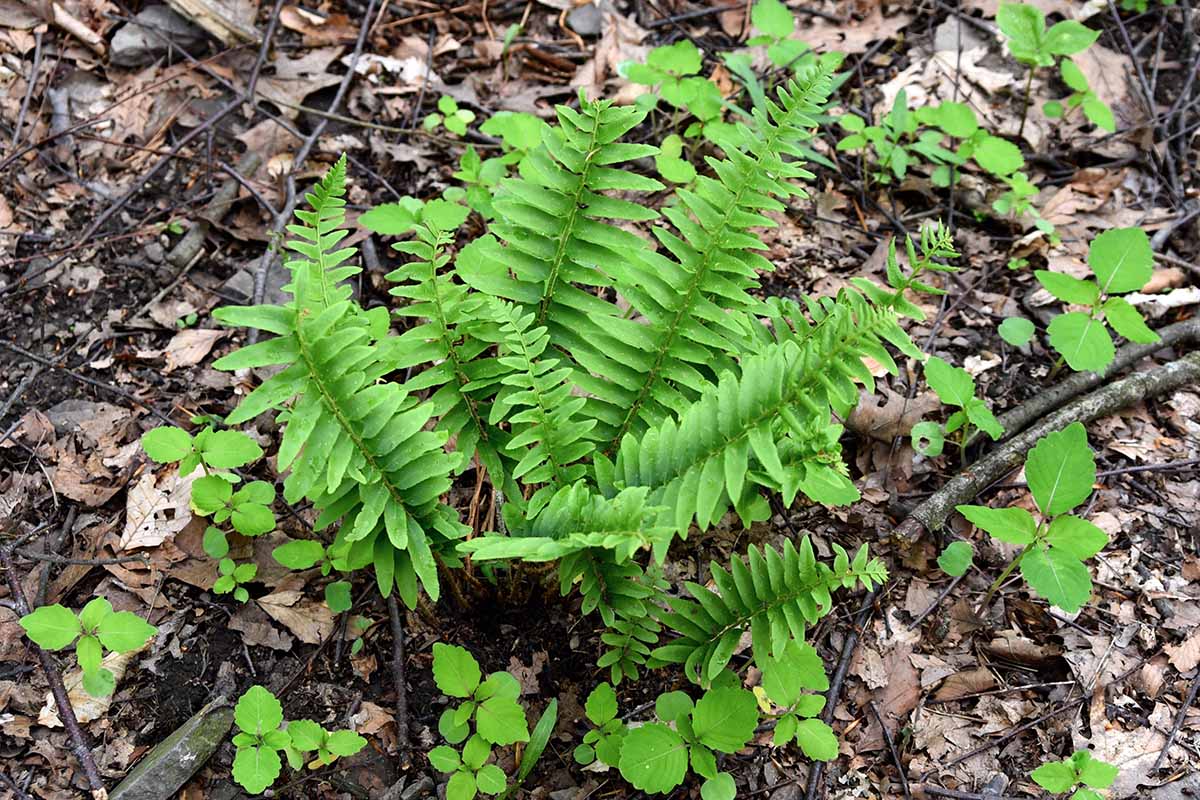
(715, 455)
(773, 595)
(455, 336)
(595, 540)
(550, 435)
(356, 447)
(694, 298)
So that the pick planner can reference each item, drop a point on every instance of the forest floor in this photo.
(113, 253)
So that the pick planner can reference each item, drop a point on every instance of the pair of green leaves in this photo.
(1031, 43)
(1081, 768)
(219, 450)
(675, 69)
(471, 773)
(97, 628)
(1095, 109)
(955, 387)
(776, 24)
(1122, 262)
(605, 739)
(785, 679)
(491, 703)
(260, 738)
(1060, 471)
(655, 756)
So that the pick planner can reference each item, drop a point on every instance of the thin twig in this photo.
(936, 602)
(398, 675)
(933, 512)
(1183, 710)
(891, 744)
(79, 741)
(835, 684)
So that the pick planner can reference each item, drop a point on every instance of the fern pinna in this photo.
(616, 389)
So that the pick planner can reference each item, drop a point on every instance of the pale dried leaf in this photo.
(189, 347)
(156, 509)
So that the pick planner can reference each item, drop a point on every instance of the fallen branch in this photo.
(1017, 419)
(933, 512)
(79, 741)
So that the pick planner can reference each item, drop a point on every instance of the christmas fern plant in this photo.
(614, 389)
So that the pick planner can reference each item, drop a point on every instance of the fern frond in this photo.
(773, 595)
(356, 447)
(694, 296)
(720, 448)
(455, 338)
(551, 242)
(594, 540)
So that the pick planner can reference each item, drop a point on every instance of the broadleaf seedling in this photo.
(1082, 770)
(1060, 471)
(1122, 262)
(955, 387)
(97, 628)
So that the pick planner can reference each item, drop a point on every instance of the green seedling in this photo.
(450, 116)
(602, 742)
(783, 695)
(1031, 43)
(1060, 471)
(1122, 262)
(1082, 96)
(955, 387)
(232, 575)
(97, 628)
(655, 757)
(1082, 772)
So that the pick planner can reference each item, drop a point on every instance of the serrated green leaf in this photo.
(258, 711)
(1069, 37)
(99, 682)
(455, 670)
(1017, 331)
(719, 787)
(124, 631)
(501, 721)
(461, 786)
(1012, 525)
(229, 449)
(1127, 321)
(167, 444)
(1067, 288)
(93, 613)
(1061, 469)
(773, 18)
(1057, 576)
(256, 768)
(724, 719)
(998, 156)
(1083, 342)
(51, 627)
(1077, 536)
(1094, 772)
(299, 553)
(1054, 776)
(490, 779)
(956, 558)
(816, 739)
(601, 705)
(954, 386)
(88, 653)
(306, 735)
(654, 758)
(1121, 259)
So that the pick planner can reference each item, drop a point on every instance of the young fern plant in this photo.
(615, 391)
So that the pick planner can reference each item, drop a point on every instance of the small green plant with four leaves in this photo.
(955, 387)
(1060, 471)
(1122, 262)
(97, 628)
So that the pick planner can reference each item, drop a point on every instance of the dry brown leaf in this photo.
(854, 36)
(156, 509)
(311, 622)
(296, 78)
(1185, 656)
(189, 347)
(894, 417)
(257, 630)
(318, 30)
(967, 682)
(87, 708)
